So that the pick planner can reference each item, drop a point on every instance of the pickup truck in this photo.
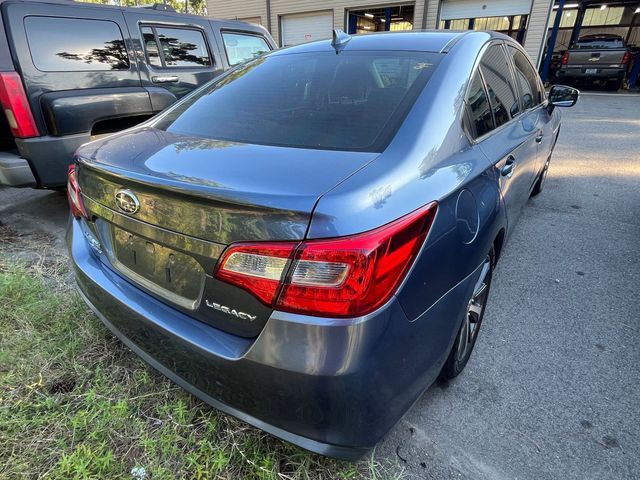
(72, 72)
(596, 59)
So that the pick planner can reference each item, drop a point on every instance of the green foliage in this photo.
(76, 404)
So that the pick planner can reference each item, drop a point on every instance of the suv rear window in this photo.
(352, 101)
(72, 44)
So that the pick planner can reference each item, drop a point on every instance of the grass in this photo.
(76, 404)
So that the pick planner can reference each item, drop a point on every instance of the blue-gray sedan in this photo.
(308, 241)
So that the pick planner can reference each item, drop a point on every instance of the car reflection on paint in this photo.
(308, 242)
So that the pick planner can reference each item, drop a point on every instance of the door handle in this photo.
(539, 137)
(165, 79)
(507, 169)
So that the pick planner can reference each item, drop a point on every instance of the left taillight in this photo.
(338, 277)
(16, 106)
(73, 194)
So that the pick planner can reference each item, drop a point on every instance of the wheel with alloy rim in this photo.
(468, 333)
(543, 178)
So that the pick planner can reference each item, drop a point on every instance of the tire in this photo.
(541, 179)
(468, 333)
(614, 86)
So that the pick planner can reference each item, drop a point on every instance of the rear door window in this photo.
(241, 47)
(167, 47)
(502, 92)
(71, 44)
(479, 107)
(527, 78)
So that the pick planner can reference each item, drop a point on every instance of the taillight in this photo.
(337, 277)
(73, 194)
(626, 58)
(16, 106)
(565, 58)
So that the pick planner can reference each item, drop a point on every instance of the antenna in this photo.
(339, 40)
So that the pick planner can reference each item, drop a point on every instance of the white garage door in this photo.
(306, 27)
(452, 9)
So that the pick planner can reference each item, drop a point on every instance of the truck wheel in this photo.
(614, 86)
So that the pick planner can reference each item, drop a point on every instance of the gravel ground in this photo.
(553, 388)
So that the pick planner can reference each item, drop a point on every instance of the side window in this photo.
(241, 47)
(527, 79)
(175, 47)
(479, 108)
(497, 75)
(75, 45)
(151, 47)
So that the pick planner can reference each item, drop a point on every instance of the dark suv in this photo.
(71, 72)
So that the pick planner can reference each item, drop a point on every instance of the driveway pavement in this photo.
(553, 388)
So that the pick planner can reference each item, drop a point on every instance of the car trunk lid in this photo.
(194, 197)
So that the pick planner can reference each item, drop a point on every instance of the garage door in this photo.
(452, 9)
(306, 27)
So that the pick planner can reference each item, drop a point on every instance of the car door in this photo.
(535, 114)
(175, 55)
(511, 147)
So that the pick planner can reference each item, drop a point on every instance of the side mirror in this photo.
(563, 96)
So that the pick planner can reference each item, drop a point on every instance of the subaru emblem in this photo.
(127, 201)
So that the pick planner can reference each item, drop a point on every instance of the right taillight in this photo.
(337, 277)
(626, 58)
(565, 58)
(73, 194)
(16, 106)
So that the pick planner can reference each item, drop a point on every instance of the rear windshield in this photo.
(591, 43)
(350, 101)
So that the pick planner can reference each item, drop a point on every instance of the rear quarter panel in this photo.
(430, 159)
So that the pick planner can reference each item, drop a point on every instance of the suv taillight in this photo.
(626, 58)
(335, 277)
(16, 106)
(73, 194)
(565, 58)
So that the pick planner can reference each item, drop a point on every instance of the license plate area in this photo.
(164, 271)
(591, 71)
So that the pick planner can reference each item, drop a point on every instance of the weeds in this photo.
(75, 403)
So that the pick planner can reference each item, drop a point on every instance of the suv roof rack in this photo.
(163, 7)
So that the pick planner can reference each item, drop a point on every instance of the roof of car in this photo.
(413, 40)
(161, 8)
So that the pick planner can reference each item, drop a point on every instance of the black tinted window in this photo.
(151, 47)
(497, 74)
(175, 47)
(241, 47)
(527, 79)
(69, 44)
(479, 108)
(351, 101)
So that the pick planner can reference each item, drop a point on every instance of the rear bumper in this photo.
(49, 157)
(334, 387)
(15, 171)
(580, 74)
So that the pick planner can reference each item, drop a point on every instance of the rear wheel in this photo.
(541, 179)
(468, 333)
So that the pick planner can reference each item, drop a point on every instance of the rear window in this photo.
(71, 44)
(351, 101)
(591, 43)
